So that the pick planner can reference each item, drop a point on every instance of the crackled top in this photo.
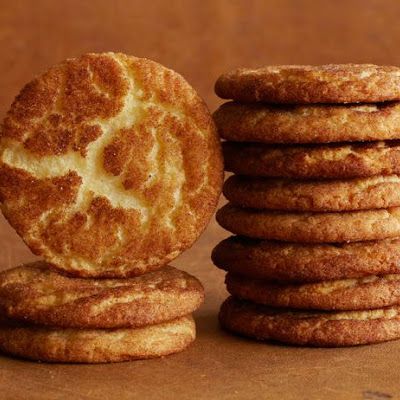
(109, 165)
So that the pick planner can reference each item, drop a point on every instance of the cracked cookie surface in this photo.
(110, 165)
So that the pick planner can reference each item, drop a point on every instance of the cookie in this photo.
(304, 84)
(317, 328)
(334, 227)
(110, 165)
(345, 294)
(333, 195)
(297, 262)
(320, 123)
(96, 345)
(341, 161)
(38, 295)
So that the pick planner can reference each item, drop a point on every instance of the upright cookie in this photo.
(324, 329)
(333, 195)
(335, 227)
(346, 294)
(319, 123)
(303, 84)
(38, 295)
(110, 165)
(96, 345)
(298, 262)
(308, 162)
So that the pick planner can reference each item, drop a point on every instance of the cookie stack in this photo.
(315, 202)
(100, 176)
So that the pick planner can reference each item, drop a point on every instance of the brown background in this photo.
(201, 39)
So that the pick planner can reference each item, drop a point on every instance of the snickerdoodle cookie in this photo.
(351, 160)
(96, 345)
(320, 123)
(300, 262)
(36, 294)
(302, 84)
(334, 195)
(110, 165)
(333, 227)
(316, 328)
(345, 294)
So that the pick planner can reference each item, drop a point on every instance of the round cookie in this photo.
(334, 195)
(334, 227)
(304, 84)
(317, 328)
(36, 294)
(339, 161)
(96, 345)
(110, 165)
(298, 262)
(346, 294)
(320, 123)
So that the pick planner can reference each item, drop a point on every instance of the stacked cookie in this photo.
(315, 202)
(53, 317)
(100, 176)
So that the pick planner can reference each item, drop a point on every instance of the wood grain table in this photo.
(200, 40)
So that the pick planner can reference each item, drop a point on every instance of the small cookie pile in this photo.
(110, 167)
(315, 202)
(53, 317)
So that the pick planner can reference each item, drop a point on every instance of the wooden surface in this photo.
(200, 40)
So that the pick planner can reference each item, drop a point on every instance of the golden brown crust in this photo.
(334, 227)
(323, 329)
(345, 294)
(308, 124)
(97, 345)
(308, 162)
(110, 165)
(38, 295)
(302, 84)
(334, 195)
(297, 262)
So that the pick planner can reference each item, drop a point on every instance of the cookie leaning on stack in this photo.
(99, 175)
(315, 202)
